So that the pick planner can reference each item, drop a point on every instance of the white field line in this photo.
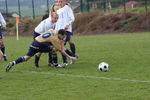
(82, 76)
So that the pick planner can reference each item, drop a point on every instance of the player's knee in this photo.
(26, 58)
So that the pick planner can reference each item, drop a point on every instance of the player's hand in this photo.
(73, 58)
(66, 27)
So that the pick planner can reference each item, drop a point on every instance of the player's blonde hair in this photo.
(54, 14)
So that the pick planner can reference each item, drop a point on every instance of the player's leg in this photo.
(65, 61)
(72, 46)
(53, 59)
(1, 55)
(2, 46)
(17, 61)
(37, 58)
(31, 52)
(67, 38)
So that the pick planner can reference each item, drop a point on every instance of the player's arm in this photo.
(2, 20)
(62, 50)
(71, 17)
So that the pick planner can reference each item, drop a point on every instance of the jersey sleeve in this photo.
(2, 20)
(71, 16)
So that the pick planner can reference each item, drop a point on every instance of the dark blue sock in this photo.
(37, 58)
(55, 59)
(3, 49)
(73, 49)
(19, 60)
(64, 59)
(69, 52)
(50, 59)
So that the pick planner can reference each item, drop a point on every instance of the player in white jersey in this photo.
(46, 24)
(66, 18)
(2, 27)
(43, 27)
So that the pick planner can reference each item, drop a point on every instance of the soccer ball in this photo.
(103, 67)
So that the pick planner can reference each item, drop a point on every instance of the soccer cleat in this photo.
(9, 66)
(5, 58)
(63, 65)
(54, 65)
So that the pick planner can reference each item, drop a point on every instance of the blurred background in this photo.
(37, 7)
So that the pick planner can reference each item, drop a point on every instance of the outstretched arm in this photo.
(63, 51)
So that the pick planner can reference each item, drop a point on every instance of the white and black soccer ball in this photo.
(103, 66)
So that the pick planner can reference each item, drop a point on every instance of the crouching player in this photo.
(43, 43)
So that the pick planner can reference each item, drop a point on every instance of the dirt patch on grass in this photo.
(93, 23)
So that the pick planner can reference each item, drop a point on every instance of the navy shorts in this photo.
(35, 34)
(36, 47)
(1, 34)
(68, 36)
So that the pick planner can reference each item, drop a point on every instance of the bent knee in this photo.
(26, 58)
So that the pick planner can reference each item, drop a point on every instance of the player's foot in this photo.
(9, 66)
(5, 58)
(63, 65)
(54, 65)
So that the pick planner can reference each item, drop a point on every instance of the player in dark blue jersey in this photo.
(46, 42)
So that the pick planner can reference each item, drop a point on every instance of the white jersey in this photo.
(66, 17)
(2, 21)
(44, 26)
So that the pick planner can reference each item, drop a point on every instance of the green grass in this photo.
(127, 54)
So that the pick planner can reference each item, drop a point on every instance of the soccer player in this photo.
(55, 7)
(44, 26)
(2, 27)
(46, 15)
(43, 43)
(66, 18)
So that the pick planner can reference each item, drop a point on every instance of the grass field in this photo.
(128, 78)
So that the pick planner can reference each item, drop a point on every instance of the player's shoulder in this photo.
(69, 5)
(52, 31)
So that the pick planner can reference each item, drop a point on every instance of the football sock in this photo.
(19, 60)
(55, 59)
(3, 49)
(64, 59)
(50, 59)
(73, 49)
(69, 52)
(37, 58)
